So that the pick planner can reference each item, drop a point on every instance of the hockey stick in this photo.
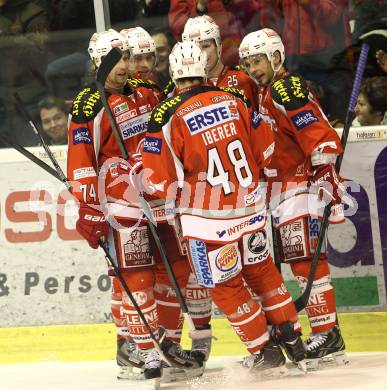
(302, 301)
(61, 176)
(276, 258)
(106, 66)
(30, 156)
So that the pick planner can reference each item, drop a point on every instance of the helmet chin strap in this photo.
(275, 71)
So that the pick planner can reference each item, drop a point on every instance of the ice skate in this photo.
(324, 349)
(202, 340)
(187, 364)
(130, 361)
(268, 362)
(181, 358)
(291, 342)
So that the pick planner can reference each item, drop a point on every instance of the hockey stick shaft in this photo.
(276, 257)
(58, 174)
(302, 301)
(108, 63)
(34, 128)
(30, 156)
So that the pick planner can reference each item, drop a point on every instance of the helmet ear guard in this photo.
(265, 41)
(187, 60)
(102, 42)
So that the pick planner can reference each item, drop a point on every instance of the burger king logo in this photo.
(227, 258)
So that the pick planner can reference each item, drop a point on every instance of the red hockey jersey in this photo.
(93, 150)
(204, 147)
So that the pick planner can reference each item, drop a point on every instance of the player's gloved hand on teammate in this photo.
(328, 184)
(92, 225)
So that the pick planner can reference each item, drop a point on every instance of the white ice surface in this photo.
(365, 371)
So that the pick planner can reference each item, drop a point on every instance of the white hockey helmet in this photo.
(265, 41)
(187, 60)
(139, 41)
(202, 28)
(102, 42)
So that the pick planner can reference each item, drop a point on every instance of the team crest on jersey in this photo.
(210, 116)
(135, 126)
(303, 119)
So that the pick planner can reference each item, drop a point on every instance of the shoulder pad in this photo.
(291, 92)
(136, 83)
(86, 105)
(162, 113)
(169, 87)
(164, 110)
(238, 93)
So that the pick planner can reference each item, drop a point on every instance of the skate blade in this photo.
(171, 374)
(131, 374)
(152, 384)
(301, 366)
(270, 373)
(334, 359)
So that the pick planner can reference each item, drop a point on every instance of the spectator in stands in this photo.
(155, 7)
(181, 10)
(316, 34)
(371, 104)
(381, 59)
(23, 37)
(53, 116)
(371, 26)
(164, 42)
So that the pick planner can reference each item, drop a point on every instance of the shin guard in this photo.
(321, 307)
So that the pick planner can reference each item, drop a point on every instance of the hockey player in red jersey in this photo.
(204, 31)
(109, 207)
(142, 63)
(203, 149)
(198, 299)
(143, 58)
(302, 168)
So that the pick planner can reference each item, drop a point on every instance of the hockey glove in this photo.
(92, 225)
(328, 183)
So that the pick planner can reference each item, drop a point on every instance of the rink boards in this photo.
(362, 332)
(48, 276)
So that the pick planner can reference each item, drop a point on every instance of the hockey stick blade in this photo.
(108, 63)
(303, 299)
